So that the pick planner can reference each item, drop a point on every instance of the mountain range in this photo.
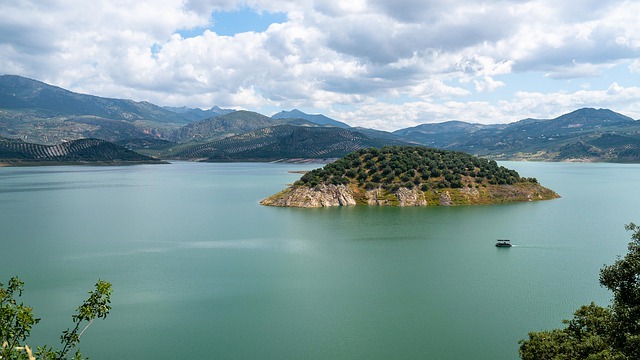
(585, 134)
(283, 142)
(39, 113)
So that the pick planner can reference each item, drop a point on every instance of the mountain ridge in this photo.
(195, 114)
(282, 142)
(317, 118)
(231, 124)
(535, 139)
(18, 92)
(37, 112)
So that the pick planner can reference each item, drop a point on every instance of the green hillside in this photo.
(605, 147)
(18, 152)
(573, 136)
(235, 123)
(19, 93)
(410, 176)
(195, 114)
(281, 142)
(42, 113)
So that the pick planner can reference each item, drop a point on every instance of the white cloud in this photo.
(487, 84)
(625, 100)
(577, 70)
(374, 62)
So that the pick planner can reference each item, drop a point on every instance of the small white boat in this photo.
(503, 243)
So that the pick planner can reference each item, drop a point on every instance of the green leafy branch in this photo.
(16, 321)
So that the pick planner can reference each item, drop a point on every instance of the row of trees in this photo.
(412, 166)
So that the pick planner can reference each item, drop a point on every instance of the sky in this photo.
(383, 64)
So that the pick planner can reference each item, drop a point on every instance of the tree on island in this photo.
(16, 321)
(597, 332)
(409, 176)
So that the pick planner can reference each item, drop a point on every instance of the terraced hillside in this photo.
(13, 151)
(283, 142)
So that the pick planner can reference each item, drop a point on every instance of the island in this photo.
(409, 176)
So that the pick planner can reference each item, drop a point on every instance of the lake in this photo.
(201, 270)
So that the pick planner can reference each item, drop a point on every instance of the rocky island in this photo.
(409, 176)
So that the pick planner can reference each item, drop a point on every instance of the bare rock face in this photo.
(342, 195)
(410, 197)
(471, 194)
(445, 199)
(320, 196)
(375, 197)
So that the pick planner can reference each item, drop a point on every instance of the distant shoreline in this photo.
(79, 163)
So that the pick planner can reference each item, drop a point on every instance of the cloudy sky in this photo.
(384, 64)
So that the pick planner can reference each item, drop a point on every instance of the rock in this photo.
(324, 195)
(410, 197)
(410, 176)
(445, 199)
(319, 196)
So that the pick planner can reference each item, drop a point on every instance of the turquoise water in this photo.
(200, 270)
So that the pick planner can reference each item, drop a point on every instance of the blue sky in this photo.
(230, 23)
(374, 63)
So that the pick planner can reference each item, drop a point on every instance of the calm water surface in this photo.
(200, 270)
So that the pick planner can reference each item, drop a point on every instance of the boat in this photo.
(503, 243)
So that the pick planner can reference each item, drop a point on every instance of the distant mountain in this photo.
(62, 128)
(198, 114)
(606, 147)
(38, 112)
(318, 119)
(578, 121)
(572, 136)
(442, 135)
(589, 117)
(283, 142)
(18, 152)
(379, 134)
(234, 123)
(20, 93)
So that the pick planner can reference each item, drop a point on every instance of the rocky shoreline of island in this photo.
(409, 176)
